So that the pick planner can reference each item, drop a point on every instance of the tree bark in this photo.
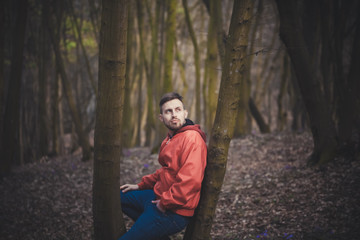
(10, 141)
(107, 214)
(234, 70)
(243, 119)
(322, 126)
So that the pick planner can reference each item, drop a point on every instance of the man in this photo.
(163, 202)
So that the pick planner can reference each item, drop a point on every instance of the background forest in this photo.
(44, 105)
(42, 95)
(300, 74)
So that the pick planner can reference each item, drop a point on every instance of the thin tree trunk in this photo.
(264, 128)
(182, 71)
(10, 143)
(128, 124)
(2, 67)
(234, 70)
(43, 58)
(169, 45)
(349, 117)
(149, 87)
(326, 60)
(281, 119)
(107, 214)
(322, 126)
(57, 112)
(219, 29)
(55, 118)
(160, 131)
(298, 110)
(140, 104)
(155, 75)
(196, 60)
(267, 72)
(211, 68)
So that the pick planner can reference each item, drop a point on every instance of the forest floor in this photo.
(268, 193)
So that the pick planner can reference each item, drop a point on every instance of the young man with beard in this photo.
(163, 202)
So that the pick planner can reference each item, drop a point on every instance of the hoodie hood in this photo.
(189, 125)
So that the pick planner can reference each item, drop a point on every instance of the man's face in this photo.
(173, 115)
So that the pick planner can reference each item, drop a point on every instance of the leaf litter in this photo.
(268, 193)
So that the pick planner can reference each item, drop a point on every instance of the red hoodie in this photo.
(178, 182)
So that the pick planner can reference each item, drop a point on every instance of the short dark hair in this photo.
(168, 97)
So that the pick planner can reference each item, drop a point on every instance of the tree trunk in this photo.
(155, 76)
(55, 113)
(264, 128)
(350, 108)
(234, 70)
(322, 126)
(217, 10)
(346, 87)
(281, 116)
(169, 45)
(127, 120)
(3, 10)
(244, 115)
(43, 66)
(83, 139)
(211, 68)
(107, 214)
(10, 141)
(196, 60)
(140, 102)
(149, 85)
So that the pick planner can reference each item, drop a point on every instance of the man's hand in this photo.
(129, 187)
(157, 202)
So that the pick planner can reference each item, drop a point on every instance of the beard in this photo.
(174, 127)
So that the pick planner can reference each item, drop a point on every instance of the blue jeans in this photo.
(150, 222)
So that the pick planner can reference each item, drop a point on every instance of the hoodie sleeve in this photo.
(185, 191)
(148, 181)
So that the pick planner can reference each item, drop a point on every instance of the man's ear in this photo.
(161, 118)
(186, 113)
